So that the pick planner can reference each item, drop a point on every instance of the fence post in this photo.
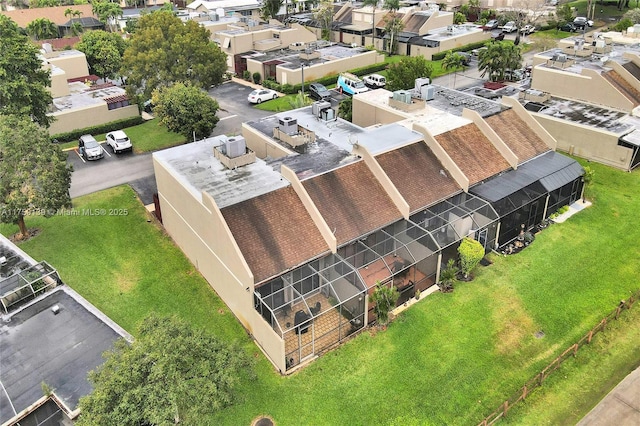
(524, 392)
(541, 379)
(604, 323)
(575, 349)
(619, 308)
(590, 336)
(505, 408)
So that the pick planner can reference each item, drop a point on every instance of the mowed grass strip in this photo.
(450, 359)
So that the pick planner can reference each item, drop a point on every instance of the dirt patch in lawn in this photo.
(513, 324)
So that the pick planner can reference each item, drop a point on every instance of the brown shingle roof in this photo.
(518, 136)
(415, 22)
(23, 17)
(472, 152)
(623, 86)
(274, 232)
(351, 201)
(415, 171)
(633, 69)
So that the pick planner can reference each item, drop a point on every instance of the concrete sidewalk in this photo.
(621, 407)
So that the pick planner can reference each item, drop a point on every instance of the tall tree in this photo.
(324, 14)
(103, 51)
(172, 373)
(23, 80)
(34, 175)
(453, 61)
(393, 24)
(163, 50)
(373, 4)
(186, 109)
(403, 74)
(42, 28)
(270, 9)
(107, 12)
(497, 58)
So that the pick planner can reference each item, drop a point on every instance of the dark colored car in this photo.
(318, 92)
(466, 57)
(568, 27)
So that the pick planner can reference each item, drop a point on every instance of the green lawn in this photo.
(450, 359)
(145, 137)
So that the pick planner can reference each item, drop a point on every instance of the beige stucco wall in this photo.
(199, 229)
(93, 115)
(586, 142)
(244, 42)
(589, 86)
(366, 114)
(74, 65)
(59, 86)
(263, 145)
(312, 73)
(451, 43)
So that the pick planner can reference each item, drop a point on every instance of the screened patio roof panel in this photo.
(553, 170)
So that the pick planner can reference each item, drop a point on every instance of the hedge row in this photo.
(94, 130)
(465, 48)
(326, 81)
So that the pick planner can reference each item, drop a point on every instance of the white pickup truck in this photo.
(375, 81)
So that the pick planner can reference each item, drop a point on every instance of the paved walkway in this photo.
(573, 209)
(621, 407)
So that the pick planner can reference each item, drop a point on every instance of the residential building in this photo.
(586, 93)
(247, 8)
(78, 101)
(48, 334)
(295, 222)
(57, 14)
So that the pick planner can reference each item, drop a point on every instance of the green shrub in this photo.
(257, 77)
(94, 130)
(471, 253)
(439, 56)
(385, 299)
(246, 74)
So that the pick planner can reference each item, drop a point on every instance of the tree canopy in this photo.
(42, 28)
(403, 74)
(103, 51)
(34, 175)
(164, 50)
(186, 109)
(107, 12)
(270, 9)
(453, 61)
(172, 373)
(23, 81)
(497, 58)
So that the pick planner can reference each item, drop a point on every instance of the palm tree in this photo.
(453, 61)
(394, 24)
(373, 4)
(42, 28)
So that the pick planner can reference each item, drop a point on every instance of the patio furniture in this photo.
(315, 309)
(301, 317)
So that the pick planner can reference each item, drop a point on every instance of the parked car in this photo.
(491, 25)
(261, 95)
(119, 141)
(375, 81)
(318, 92)
(514, 75)
(528, 29)
(89, 148)
(580, 22)
(350, 84)
(476, 52)
(509, 27)
(498, 37)
(568, 27)
(466, 57)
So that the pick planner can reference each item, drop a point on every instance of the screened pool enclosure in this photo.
(319, 304)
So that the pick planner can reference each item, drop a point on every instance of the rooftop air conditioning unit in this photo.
(428, 92)
(214, 17)
(421, 81)
(235, 146)
(600, 43)
(578, 44)
(402, 96)
(288, 125)
(318, 107)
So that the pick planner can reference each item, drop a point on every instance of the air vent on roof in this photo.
(323, 111)
(402, 96)
(55, 309)
(288, 125)
(3, 260)
(559, 57)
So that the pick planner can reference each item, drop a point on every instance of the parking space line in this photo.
(8, 398)
(104, 150)
(79, 155)
(229, 116)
